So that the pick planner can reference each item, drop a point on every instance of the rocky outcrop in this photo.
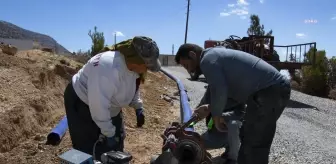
(8, 49)
(9, 31)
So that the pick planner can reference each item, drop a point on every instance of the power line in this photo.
(187, 22)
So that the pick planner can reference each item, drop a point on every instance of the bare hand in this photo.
(220, 123)
(202, 111)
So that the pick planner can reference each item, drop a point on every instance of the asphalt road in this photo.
(306, 131)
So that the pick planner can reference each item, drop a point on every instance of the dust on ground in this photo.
(31, 104)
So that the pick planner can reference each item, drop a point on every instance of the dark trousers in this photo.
(84, 132)
(259, 125)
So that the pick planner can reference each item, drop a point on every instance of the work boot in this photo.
(226, 159)
(230, 161)
(225, 155)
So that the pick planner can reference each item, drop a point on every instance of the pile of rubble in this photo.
(31, 104)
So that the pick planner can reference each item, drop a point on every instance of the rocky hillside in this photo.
(15, 35)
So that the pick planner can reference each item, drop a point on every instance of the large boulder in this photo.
(8, 49)
(45, 49)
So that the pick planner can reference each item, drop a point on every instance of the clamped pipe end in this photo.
(186, 146)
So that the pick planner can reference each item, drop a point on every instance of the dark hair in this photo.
(183, 51)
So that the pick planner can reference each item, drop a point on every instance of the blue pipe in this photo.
(56, 135)
(185, 110)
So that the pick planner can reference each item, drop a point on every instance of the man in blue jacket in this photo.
(245, 78)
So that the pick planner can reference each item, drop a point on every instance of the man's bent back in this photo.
(247, 79)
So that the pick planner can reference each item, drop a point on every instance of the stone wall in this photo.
(167, 60)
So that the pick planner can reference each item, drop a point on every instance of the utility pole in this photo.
(187, 22)
(173, 49)
(115, 38)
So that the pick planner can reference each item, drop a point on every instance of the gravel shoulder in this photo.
(306, 132)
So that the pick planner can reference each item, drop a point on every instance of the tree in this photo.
(98, 41)
(314, 77)
(36, 45)
(332, 64)
(256, 28)
(332, 72)
(321, 60)
(292, 57)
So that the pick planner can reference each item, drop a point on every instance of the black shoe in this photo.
(225, 158)
(230, 161)
(225, 155)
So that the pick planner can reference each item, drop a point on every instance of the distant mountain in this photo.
(23, 39)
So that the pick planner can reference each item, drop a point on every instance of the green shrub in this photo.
(98, 41)
(314, 78)
(332, 94)
(314, 81)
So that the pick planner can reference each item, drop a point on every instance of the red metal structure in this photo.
(264, 48)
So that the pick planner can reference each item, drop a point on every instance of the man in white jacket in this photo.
(105, 84)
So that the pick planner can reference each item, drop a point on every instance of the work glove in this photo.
(140, 117)
(202, 111)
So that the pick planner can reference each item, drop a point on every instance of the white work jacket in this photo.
(106, 85)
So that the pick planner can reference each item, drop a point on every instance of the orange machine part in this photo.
(210, 43)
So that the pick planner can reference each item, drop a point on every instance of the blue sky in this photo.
(68, 21)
